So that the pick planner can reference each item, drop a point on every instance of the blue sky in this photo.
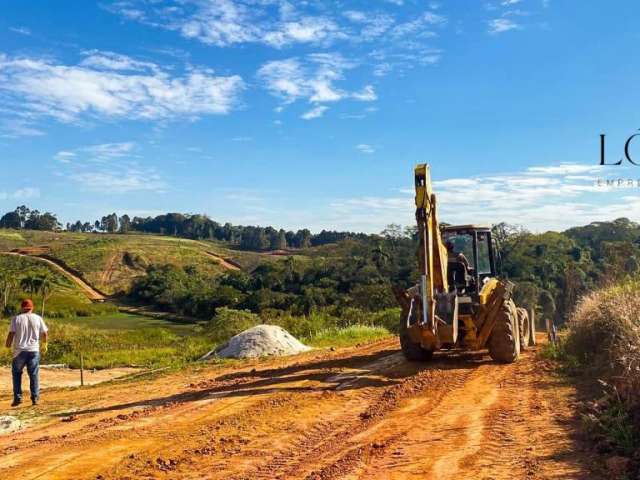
(312, 114)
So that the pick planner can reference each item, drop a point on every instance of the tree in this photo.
(42, 221)
(30, 283)
(23, 213)
(379, 256)
(7, 283)
(125, 223)
(109, 223)
(548, 304)
(282, 240)
(40, 284)
(303, 238)
(45, 290)
(11, 220)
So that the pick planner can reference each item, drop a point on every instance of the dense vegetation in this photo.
(353, 274)
(553, 270)
(333, 271)
(603, 342)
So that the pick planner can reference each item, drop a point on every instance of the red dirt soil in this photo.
(354, 413)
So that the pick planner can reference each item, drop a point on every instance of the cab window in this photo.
(484, 260)
(462, 243)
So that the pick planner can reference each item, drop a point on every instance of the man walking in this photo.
(25, 334)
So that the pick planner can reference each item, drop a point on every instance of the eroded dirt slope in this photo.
(354, 413)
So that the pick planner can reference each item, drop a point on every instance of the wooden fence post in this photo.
(81, 370)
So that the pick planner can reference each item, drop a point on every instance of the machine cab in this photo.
(471, 256)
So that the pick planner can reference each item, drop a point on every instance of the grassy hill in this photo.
(66, 298)
(111, 262)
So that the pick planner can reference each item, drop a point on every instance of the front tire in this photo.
(504, 342)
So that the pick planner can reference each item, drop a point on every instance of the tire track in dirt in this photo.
(166, 427)
(357, 413)
(107, 273)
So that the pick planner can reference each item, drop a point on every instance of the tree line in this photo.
(24, 218)
(551, 270)
(195, 227)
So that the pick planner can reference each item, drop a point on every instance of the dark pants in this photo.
(32, 361)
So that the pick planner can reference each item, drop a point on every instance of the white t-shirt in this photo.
(27, 328)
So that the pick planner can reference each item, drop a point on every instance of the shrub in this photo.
(604, 341)
(228, 322)
(604, 335)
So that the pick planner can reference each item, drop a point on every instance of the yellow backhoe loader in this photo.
(459, 303)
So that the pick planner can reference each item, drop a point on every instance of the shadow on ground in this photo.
(376, 370)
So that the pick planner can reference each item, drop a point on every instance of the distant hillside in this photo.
(111, 262)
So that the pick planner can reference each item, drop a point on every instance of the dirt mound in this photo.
(260, 341)
(9, 424)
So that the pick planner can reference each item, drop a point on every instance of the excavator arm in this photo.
(432, 252)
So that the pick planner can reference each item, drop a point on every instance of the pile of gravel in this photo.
(260, 341)
(9, 424)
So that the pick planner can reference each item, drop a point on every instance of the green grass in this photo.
(94, 254)
(344, 337)
(128, 321)
(106, 348)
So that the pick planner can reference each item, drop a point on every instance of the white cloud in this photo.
(356, 16)
(381, 69)
(122, 180)
(367, 94)
(24, 193)
(506, 3)
(540, 198)
(18, 127)
(315, 112)
(21, 30)
(101, 87)
(500, 25)
(565, 169)
(402, 32)
(312, 78)
(419, 27)
(113, 61)
(365, 148)
(100, 153)
(64, 156)
(109, 168)
(228, 22)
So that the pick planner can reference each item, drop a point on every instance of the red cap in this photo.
(27, 304)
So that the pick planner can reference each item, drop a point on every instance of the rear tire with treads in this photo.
(504, 344)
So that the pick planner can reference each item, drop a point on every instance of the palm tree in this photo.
(7, 283)
(41, 284)
(46, 289)
(30, 283)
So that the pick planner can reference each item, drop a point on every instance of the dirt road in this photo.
(89, 291)
(350, 414)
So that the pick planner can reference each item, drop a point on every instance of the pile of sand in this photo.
(260, 341)
(9, 424)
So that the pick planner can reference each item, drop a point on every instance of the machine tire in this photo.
(410, 349)
(524, 328)
(504, 344)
